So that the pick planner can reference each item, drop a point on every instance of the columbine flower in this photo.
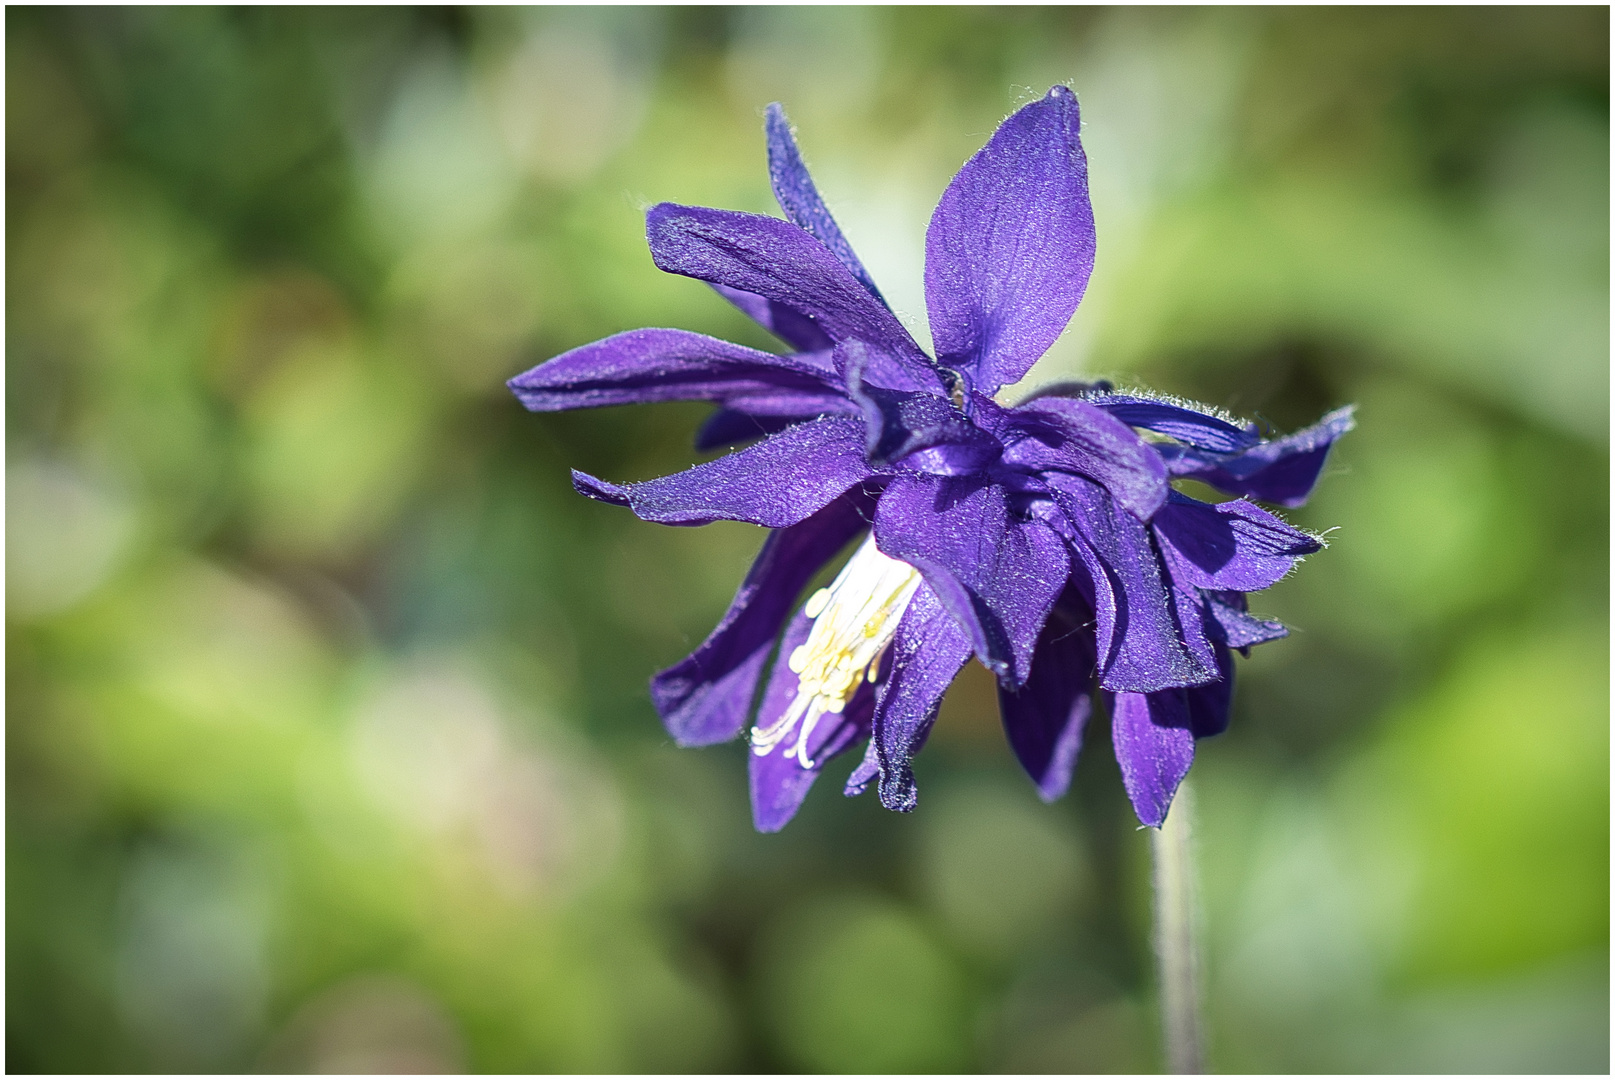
(1044, 539)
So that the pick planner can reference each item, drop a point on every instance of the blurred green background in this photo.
(328, 745)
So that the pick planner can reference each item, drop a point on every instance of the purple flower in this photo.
(1044, 539)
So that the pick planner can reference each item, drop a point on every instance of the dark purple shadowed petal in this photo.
(927, 652)
(1200, 430)
(1010, 246)
(1210, 702)
(643, 366)
(1240, 628)
(997, 575)
(799, 197)
(1282, 471)
(778, 783)
(777, 482)
(1139, 641)
(784, 263)
(705, 698)
(785, 323)
(1067, 388)
(751, 416)
(1073, 436)
(1154, 748)
(1044, 719)
(1232, 546)
(726, 427)
(899, 423)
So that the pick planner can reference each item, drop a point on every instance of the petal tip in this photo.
(1150, 819)
(858, 782)
(1053, 788)
(766, 824)
(600, 490)
(898, 792)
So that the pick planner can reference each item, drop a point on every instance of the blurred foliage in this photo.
(328, 746)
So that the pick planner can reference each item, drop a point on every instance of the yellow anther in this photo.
(854, 620)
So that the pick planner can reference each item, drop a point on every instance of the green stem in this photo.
(1176, 942)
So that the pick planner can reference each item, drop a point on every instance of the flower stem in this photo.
(1176, 942)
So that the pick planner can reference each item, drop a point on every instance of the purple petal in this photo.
(706, 697)
(898, 423)
(1282, 471)
(662, 365)
(778, 783)
(866, 770)
(1045, 718)
(800, 200)
(1196, 628)
(997, 575)
(1139, 640)
(927, 652)
(751, 416)
(1154, 748)
(777, 482)
(1209, 703)
(1233, 545)
(599, 490)
(1011, 245)
(726, 427)
(1076, 388)
(1239, 628)
(1198, 429)
(785, 323)
(1073, 436)
(783, 263)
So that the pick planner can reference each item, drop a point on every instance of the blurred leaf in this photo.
(999, 868)
(854, 984)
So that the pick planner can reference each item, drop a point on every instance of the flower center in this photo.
(854, 620)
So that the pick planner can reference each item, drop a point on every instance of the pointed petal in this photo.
(1282, 471)
(706, 697)
(1198, 428)
(777, 482)
(1073, 436)
(928, 651)
(866, 770)
(784, 322)
(1045, 718)
(1238, 627)
(592, 487)
(778, 783)
(1139, 641)
(1011, 245)
(1233, 545)
(1154, 748)
(799, 197)
(783, 263)
(662, 365)
(998, 576)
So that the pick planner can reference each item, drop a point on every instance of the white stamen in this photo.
(854, 621)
